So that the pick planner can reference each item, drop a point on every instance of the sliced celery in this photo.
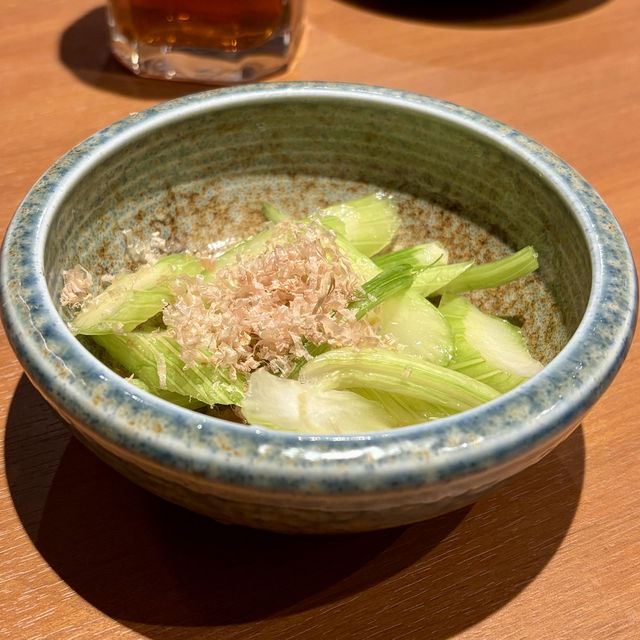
(280, 403)
(381, 287)
(155, 359)
(133, 298)
(420, 255)
(397, 373)
(487, 348)
(251, 246)
(272, 214)
(494, 274)
(313, 351)
(369, 223)
(430, 280)
(362, 264)
(258, 243)
(407, 316)
(403, 409)
(417, 325)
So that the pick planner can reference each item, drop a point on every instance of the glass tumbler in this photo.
(209, 41)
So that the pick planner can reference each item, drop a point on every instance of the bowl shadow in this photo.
(494, 13)
(168, 573)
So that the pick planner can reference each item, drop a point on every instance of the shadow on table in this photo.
(169, 573)
(482, 13)
(84, 49)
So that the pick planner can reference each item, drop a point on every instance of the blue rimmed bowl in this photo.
(194, 171)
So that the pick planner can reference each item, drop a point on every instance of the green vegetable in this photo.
(396, 373)
(494, 274)
(362, 265)
(281, 403)
(420, 255)
(430, 280)
(133, 298)
(418, 325)
(251, 246)
(381, 287)
(155, 359)
(404, 410)
(368, 223)
(313, 350)
(272, 214)
(440, 361)
(487, 348)
(406, 316)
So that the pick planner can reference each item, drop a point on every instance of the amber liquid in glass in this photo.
(230, 25)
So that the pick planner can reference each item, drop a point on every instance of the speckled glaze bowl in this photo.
(195, 170)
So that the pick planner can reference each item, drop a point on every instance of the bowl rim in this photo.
(465, 444)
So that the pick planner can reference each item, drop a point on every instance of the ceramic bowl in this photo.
(195, 170)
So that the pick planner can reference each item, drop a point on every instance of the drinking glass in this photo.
(210, 41)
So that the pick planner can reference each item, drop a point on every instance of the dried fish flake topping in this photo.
(260, 310)
(144, 251)
(77, 286)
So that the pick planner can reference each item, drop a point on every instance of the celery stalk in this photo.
(280, 403)
(403, 409)
(257, 243)
(407, 316)
(397, 373)
(155, 359)
(494, 274)
(418, 325)
(381, 287)
(488, 348)
(133, 298)
(313, 350)
(272, 214)
(251, 246)
(420, 255)
(430, 280)
(369, 223)
(362, 264)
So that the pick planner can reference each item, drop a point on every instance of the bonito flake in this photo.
(261, 310)
(77, 286)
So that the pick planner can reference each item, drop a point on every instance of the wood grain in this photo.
(552, 554)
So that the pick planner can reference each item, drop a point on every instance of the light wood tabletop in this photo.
(553, 554)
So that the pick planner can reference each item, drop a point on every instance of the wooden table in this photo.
(555, 554)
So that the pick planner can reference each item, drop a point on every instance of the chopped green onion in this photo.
(383, 286)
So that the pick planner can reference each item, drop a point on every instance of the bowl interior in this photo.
(198, 179)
